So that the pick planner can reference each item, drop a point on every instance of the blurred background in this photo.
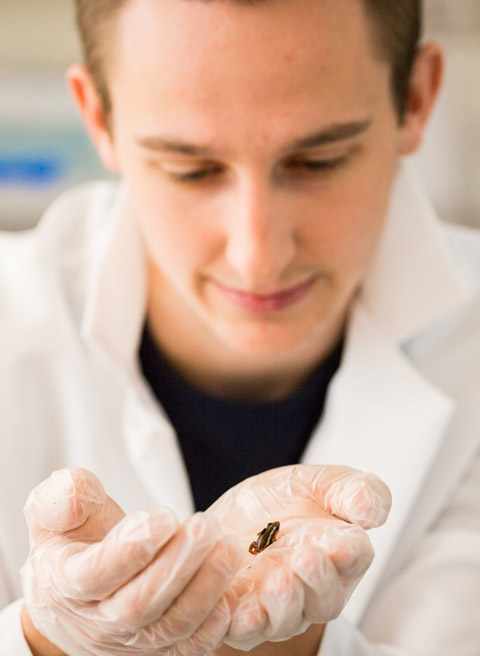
(43, 148)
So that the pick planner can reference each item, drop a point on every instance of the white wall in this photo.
(37, 34)
(43, 147)
(449, 162)
(38, 40)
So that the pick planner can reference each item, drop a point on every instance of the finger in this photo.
(63, 502)
(355, 496)
(324, 594)
(348, 547)
(206, 639)
(248, 623)
(210, 634)
(282, 596)
(101, 568)
(255, 568)
(152, 591)
(191, 608)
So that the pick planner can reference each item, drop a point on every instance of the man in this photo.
(268, 236)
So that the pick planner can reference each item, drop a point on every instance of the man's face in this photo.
(259, 144)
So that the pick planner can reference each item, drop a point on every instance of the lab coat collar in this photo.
(412, 281)
(117, 291)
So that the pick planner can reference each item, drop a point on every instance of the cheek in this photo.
(176, 238)
(349, 226)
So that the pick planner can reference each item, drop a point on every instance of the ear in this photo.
(88, 101)
(425, 83)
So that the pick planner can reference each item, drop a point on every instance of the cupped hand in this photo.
(321, 550)
(99, 582)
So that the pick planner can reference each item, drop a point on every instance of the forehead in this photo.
(188, 59)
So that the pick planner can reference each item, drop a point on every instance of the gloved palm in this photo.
(97, 582)
(320, 554)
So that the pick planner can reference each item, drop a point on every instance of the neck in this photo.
(227, 378)
(205, 361)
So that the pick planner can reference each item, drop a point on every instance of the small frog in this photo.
(265, 538)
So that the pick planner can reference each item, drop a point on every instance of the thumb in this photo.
(357, 497)
(65, 501)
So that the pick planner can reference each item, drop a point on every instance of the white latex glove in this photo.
(97, 582)
(322, 550)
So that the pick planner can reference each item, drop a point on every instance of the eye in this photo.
(317, 165)
(194, 175)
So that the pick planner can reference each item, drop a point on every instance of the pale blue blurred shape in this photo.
(37, 163)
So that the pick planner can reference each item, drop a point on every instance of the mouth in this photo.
(264, 303)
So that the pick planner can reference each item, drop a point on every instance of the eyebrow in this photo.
(331, 134)
(336, 132)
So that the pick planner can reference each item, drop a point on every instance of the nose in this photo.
(261, 241)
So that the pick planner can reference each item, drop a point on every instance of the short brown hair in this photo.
(397, 26)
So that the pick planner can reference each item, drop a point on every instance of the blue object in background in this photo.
(39, 161)
(42, 156)
(31, 169)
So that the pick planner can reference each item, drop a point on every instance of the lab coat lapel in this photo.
(112, 327)
(153, 448)
(117, 289)
(382, 415)
(393, 426)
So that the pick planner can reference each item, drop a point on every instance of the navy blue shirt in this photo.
(224, 441)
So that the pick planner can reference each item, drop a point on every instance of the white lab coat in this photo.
(405, 403)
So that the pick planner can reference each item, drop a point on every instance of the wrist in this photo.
(306, 644)
(38, 644)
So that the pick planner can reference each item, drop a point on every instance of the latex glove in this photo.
(97, 582)
(322, 550)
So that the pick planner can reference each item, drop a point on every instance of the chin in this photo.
(267, 344)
